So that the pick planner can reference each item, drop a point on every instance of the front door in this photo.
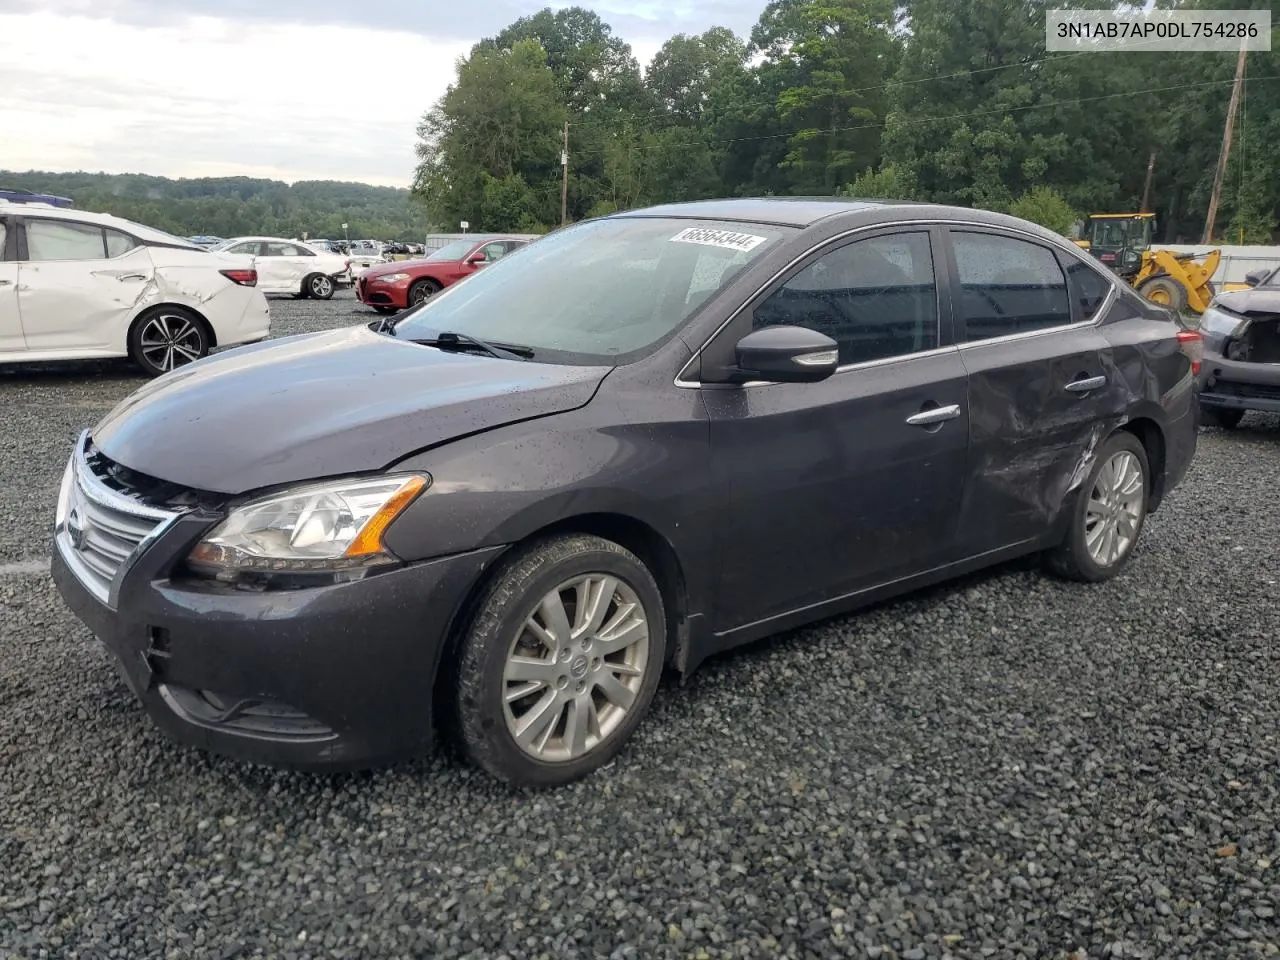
(1040, 385)
(281, 267)
(837, 486)
(79, 284)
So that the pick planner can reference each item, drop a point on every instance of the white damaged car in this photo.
(291, 266)
(76, 285)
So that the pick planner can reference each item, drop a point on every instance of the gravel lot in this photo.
(1008, 766)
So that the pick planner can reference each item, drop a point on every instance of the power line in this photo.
(772, 101)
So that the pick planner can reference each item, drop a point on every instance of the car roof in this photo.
(806, 211)
(49, 212)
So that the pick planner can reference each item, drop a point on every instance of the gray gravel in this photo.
(1008, 766)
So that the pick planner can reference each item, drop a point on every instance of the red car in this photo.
(389, 287)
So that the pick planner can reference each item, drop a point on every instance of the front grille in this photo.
(101, 522)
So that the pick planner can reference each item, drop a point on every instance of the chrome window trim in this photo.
(1063, 245)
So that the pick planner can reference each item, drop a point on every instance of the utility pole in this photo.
(564, 187)
(1221, 172)
(1146, 190)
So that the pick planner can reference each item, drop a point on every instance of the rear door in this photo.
(1040, 389)
(855, 481)
(10, 323)
(79, 285)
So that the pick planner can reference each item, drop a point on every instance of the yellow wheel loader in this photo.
(1122, 241)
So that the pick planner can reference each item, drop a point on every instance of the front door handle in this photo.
(1086, 385)
(6, 283)
(132, 276)
(927, 418)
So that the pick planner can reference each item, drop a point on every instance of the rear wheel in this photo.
(561, 661)
(1165, 291)
(319, 286)
(1226, 419)
(166, 338)
(422, 290)
(1109, 513)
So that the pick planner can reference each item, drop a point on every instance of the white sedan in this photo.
(76, 285)
(291, 266)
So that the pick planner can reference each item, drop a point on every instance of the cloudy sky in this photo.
(288, 89)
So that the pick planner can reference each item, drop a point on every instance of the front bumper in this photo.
(382, 294)
(336, 677)
(1232, 385)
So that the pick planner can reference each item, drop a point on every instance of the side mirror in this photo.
(478, 257)
(1257, 277)
(787, 355)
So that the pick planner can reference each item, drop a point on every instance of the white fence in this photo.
(1236, 261)
(437, 240)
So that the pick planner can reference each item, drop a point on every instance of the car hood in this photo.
(321, 405)
(1257, 300)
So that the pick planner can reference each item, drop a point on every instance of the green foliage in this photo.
(954, 101)
(1047, 207)
(239, 206)
(890, 183)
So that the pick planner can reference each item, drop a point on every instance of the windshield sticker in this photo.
(719, 238)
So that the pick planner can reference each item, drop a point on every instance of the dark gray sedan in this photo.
(637, 442)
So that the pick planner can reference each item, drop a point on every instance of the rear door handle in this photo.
(5, 283)
(1084, 386)
(132, 276)
(927, 418)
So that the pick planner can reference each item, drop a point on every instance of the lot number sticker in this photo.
(719, 238)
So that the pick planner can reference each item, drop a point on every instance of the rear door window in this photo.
(1008, 286)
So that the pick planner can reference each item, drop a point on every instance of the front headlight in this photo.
(1220, 323)
(392, 278)
(324, 527)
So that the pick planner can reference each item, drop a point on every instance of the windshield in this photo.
(452, 251)
(598, 291)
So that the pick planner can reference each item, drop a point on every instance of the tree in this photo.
(682, 73)
(499, 123)
(830, 60)
(1047, 207)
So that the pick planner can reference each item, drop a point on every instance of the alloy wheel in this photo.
(321, 287)
(1115, 509)
(575, 668)
(170, 340)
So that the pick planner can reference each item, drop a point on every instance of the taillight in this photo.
(1192, 344)
(246, 278)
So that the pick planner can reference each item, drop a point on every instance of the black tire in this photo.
(185, 329)
(1217, 417)
(1071, 558)
(1167, 292)
(422, 290)
(319, 286)
(516, 590)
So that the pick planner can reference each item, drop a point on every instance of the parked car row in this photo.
(292, 267)
(627, 446)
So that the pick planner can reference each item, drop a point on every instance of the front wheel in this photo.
(422, 290)
(561, 661)
(319, 287)
(1108, 515)
(1226, 419)
(166, 338)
